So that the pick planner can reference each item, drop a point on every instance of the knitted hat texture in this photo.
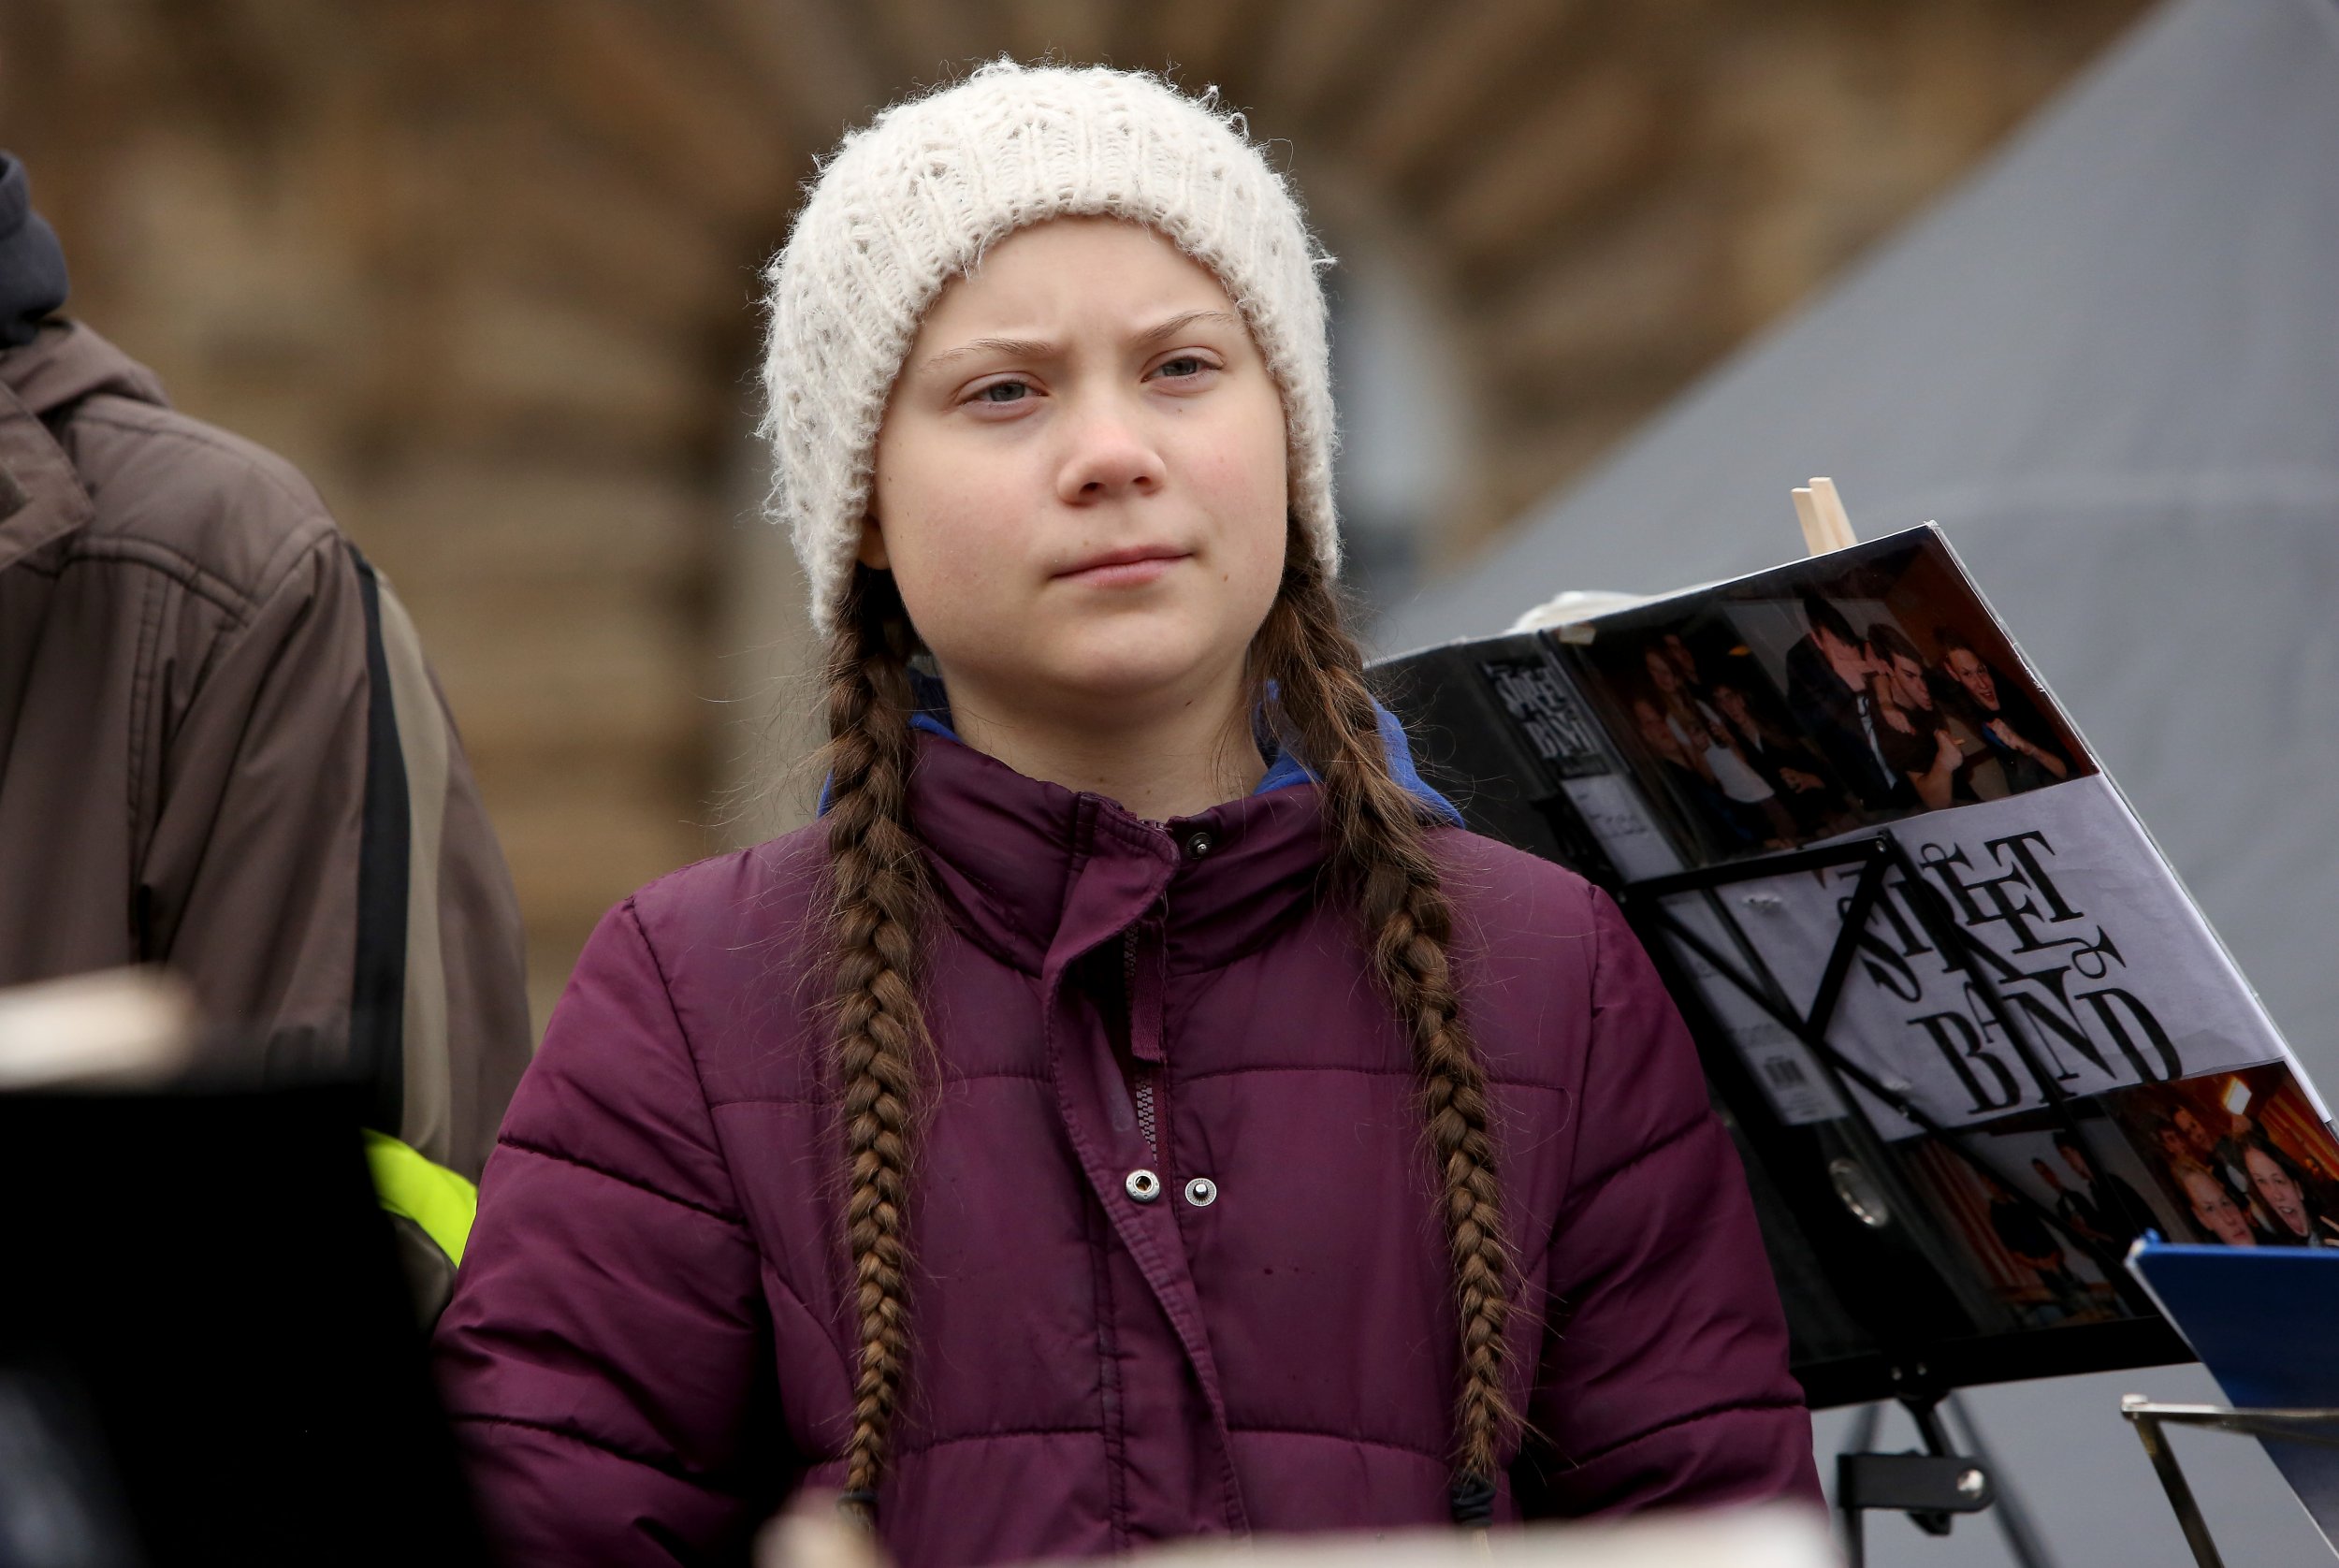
(916, 197)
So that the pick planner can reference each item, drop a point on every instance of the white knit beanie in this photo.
(915, 198)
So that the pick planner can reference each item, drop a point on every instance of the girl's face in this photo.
(1080, 480)
(2279, 1193)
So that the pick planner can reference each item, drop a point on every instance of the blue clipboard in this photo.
(2265, 1322)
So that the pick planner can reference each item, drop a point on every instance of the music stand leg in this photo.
(1932, 1488)
(2013, 1520)
(2180, 1492)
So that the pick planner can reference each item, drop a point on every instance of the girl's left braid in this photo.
(878, 894)
(1381, 858)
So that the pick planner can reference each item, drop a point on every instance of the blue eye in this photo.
(1005, 392)
(1184, 366)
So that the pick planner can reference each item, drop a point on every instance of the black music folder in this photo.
(1972, 1036)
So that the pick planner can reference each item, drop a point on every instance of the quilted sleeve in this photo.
(1664, 1378)
(605, 1359)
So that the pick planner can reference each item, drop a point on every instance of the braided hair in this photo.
(877, 905)
(1379, 862)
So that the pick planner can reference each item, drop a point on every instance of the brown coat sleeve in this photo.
(319, 864)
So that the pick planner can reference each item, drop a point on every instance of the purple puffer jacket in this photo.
(649, 1348)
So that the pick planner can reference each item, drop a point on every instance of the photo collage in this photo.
(2044, 1213)
(1822, 700)
(1800, 705)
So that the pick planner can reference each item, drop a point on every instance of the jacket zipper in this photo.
(1141, 1073)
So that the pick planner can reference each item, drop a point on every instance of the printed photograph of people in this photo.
(1739, 779)
(1854, 689)
(2022, 742)
(1835, 696)
(2094, 1199)
(2245, 1154)
(2035, 1241)
(1713, 745)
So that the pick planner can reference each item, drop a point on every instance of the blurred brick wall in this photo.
(487, 273)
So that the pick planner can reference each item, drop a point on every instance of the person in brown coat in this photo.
(221, 751)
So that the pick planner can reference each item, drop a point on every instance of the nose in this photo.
(1107, 457)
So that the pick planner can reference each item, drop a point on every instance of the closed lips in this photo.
(1143, 562)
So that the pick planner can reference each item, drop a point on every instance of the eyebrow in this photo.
(1177, 324)
(1040, 348)
(1013, 348)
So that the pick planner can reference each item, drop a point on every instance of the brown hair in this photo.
(1893, 643)
(1310, 673)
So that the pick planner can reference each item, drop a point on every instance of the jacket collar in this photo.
(1033, 870)
(41, 499)
(69, 362)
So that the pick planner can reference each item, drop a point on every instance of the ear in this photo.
(871, 552)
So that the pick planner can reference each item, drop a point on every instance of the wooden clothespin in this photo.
(1826, 523)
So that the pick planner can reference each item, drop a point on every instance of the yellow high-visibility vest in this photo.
(437, 1200)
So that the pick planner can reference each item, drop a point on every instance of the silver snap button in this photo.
(1143, 1185)
(1202, 1192)
(1200, 842)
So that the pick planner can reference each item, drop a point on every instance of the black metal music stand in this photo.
(1934, 1486)
(2317, 1428)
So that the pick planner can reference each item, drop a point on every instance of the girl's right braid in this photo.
(1381, 853)
(876, 902)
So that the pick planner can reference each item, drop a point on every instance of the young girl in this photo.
(1136, 1109)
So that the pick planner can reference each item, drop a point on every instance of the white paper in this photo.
(1612, 810)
